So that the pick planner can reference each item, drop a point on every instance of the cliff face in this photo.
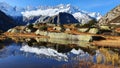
(61, 18)
(5, 22)
(111, 17)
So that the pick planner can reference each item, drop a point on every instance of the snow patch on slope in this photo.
(95, 15)
(47, 12)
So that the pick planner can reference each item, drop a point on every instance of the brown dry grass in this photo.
(117, 30)
(89, 65)
(110, 57)
(2, 37)
(29, 35)
(107, 43)
(102, 66)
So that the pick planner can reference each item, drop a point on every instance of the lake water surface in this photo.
(33, 54)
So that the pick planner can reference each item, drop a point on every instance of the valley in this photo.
(61, 36)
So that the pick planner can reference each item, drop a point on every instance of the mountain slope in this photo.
(61, 18)
(31, 14)
(111, 16)
(6, 22)
(80, 15)
(10, 10)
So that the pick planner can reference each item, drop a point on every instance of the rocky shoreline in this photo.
(98, 40)
(65, 36)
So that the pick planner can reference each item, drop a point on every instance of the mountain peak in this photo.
(82, 16)
(4, 4)
(64, 5)
(29, 11)
(61, 18)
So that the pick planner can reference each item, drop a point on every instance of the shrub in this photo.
(1, 31)
(89, 24)
(62, 28)
(43, 28)
(77, 25)
(30, 26)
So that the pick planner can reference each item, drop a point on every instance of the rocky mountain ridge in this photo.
(111, 15)
(31, 14)
(61, 18)
(6, 22)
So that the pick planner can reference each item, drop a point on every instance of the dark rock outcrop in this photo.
(42, 19)
(61, 18)
(6, 22)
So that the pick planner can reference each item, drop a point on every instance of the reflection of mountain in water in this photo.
(61, 46)
(43, 51)
(40, 52)
(4, 43)
(52, 53)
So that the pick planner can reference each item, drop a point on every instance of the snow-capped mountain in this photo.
(80, 15)
(61, 18)
(54, 10)
(10, 10)
(15, 13)
(29, 13)
(14, 10)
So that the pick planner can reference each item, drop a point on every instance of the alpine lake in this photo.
(55, 53)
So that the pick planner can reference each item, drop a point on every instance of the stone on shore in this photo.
(13, 30)
(93, 30)
(104, 27)
(83, 29)
(65, 36)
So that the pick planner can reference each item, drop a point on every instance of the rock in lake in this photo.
(93, 30)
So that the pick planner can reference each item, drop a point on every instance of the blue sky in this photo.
(101, 6)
